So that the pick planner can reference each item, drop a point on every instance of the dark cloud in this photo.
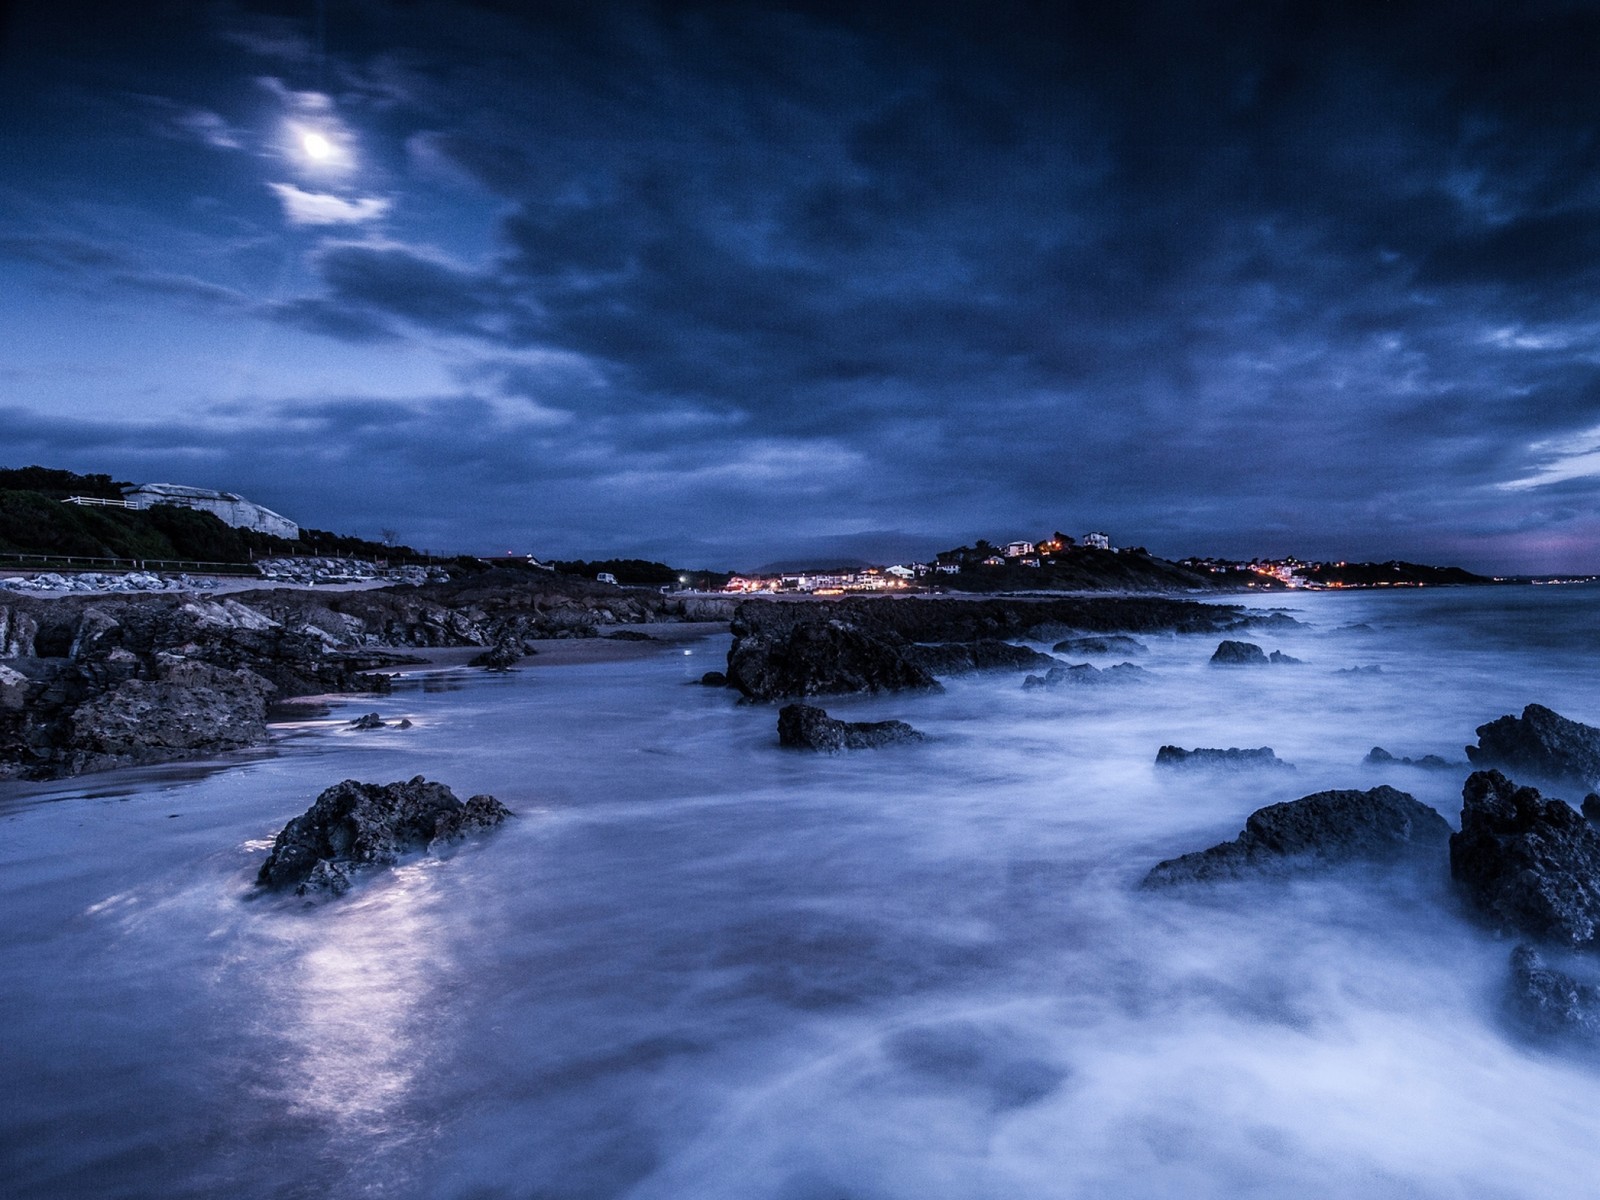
(1212, 275)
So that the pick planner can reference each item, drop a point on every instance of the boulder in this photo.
(990, 654)
(1548, 1002)
(805, 727)
(1232, 759)
(500, 657)
(1527, 864)
(1082, 674)
(1284, 660)
(192, 709)
(370, 721)
(1379, 757)
(1239, 654)
(825, 659)
(1317, 831)
(628, 635)
(354, 825)
(1540, 743)
(1114, 643)
(714, 679)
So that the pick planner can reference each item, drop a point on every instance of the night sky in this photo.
(725, 284)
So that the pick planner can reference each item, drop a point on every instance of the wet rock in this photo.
(192, 709)
(1284, 660)
(965, 658)
(1548, 1002)
(1527, 864)
(1541, 743)
(403, 723)
(805, 727)
(1371, 670)
(1233, 758)
(501, 657)
(831, 659)
(1083, 674)
(628, 635)
(1239, 654)
(371, 721)
(1317, 831)
(355, 825)
(1109, 644)
(1379, 757)
(714, 679)
(1591, 807)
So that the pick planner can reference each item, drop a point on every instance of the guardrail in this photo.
(83, 562)
(98, 502)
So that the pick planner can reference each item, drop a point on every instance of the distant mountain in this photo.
(1080, 569)
(1389, 574)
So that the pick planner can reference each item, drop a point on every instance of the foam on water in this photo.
(699, 966)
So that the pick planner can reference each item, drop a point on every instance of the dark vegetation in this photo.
(1393, 574)
(642, 572)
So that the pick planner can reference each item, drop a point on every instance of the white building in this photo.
(1018, 549)
(232, 509)
(1097, 541)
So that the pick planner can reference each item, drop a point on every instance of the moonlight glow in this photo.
(317, 146)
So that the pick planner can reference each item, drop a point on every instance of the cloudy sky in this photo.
(727, 283)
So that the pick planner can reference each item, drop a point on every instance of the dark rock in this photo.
(628, 635)
(192, 709)
(1284, 660)
(1591, 807)
(1109, 644)
(1322, 830)
(1372, 670)
(714, 679)
(1230, 759)
(964, 658)
(1549, 1002)
(804, 727)
(1082, 674)
(1239, 654)
(403, 723)
(365, 825)
(1379, 757)
(1540, 743)
(815, 660)
(1527, 864)
(370, 721)
(500, 657)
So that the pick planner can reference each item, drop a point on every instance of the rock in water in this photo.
(1231, 759)
(1239, 654)
(370, 721)
(805, 727)
(964, 658)
(830, 659)
(1527, 864)
(715, 679)
(1324, 829)
(1114, 643)
(1083, 674)
(366, 825)
(1379, 757)
(501, 657)
(1541, 743)
(1549, 1002)
(1284, 660)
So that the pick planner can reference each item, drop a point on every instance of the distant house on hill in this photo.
(231, 508)
(1097, 541)
(1018, 549)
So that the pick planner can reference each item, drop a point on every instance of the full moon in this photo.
(317, 146)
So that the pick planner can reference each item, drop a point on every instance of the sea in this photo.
(696, 966)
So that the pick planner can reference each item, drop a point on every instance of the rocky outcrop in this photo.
(1083, 674)
(1542, 744)
(804, 727)
(1112, 643)
(355, 825)
(1379, 757)
(1231, 759)
(1526, 864)
(966, 658)
(1548, 1002)
(818, 660)
(501, 657)
(1239, 654)
(714, 679)
(193, 709)
(369, 721)
(1279, 658)
(1318, 831)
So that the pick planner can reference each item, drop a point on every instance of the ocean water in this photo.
(697, 966)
